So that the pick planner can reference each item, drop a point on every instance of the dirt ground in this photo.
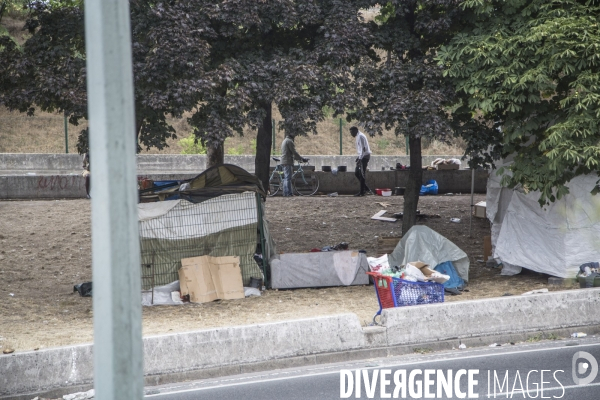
(45, 249)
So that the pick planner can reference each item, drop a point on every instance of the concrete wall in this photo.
(223, 351)
(501, 315)
(67, 186)
(69, 366)
(449, 181)
(72, 185)
(175, 163)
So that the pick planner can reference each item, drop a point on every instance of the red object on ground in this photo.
(383, 286)
(379, 191)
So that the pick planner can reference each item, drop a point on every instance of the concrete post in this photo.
(118, 360)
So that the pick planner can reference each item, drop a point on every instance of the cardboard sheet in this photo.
(208, 278)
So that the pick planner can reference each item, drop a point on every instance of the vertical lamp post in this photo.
(118, 354)
(66, 133)
(340, 136)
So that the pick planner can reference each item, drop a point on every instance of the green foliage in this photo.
(382, 144)
(191, 145)
(235, 151)
(531, 69)
(253, 146)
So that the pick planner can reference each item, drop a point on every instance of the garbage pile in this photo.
(589, 275)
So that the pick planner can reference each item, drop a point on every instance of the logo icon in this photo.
(583, 367)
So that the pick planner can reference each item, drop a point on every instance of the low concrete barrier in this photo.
(234, 350)
(72, 185)
(71, 366)
(504, 315)
(58, 186)
(449, 181)
(180, 163)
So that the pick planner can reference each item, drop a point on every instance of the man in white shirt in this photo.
(364, 155)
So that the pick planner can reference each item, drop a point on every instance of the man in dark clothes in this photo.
(288, 155)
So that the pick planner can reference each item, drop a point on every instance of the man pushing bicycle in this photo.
(288, 155)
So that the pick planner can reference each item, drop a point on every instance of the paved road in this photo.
(518, 370)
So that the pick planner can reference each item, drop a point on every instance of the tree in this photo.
(48, 71)
(297, 55)
(227, 62)
(530, 69)
(405, 89)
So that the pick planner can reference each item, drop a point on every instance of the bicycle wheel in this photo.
(306, 185)
(275, 184)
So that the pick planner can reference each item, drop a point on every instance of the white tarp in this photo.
(424, 244)
(555, 239)
(153, 210)
(330, 268)
(201, 219)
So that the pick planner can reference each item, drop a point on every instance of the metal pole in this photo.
(340, 136)
(407, 151)
(273, 132)
(118, 351)
(66, 133)
(472, 190)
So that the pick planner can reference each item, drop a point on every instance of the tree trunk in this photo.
(413, 186)
(264, 141)
(215, 154)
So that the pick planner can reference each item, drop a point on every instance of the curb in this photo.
(287, 344)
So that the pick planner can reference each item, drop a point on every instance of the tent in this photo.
(422, 243)
(555, 239)
(218, 213)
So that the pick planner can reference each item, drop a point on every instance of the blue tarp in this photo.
(430, 187)
(447, 268)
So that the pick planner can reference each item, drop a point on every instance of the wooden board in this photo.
(387, 244)
(379, 217)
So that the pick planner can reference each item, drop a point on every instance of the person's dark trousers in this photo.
(361, 173)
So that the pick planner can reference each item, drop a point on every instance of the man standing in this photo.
(288, 155)
(364, 155)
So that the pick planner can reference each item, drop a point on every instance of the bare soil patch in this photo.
(45, 248)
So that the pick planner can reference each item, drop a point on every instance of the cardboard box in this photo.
(207, 278)
(447, 166)
(423, 267)
(487, 247)
(479, 210)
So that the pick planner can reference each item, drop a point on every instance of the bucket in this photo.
(399, 191)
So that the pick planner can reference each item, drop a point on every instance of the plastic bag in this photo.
(430, 187)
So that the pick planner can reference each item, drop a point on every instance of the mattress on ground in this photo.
(332, 268)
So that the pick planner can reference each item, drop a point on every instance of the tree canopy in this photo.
(224, 62)
(404, 88)
(530, 69)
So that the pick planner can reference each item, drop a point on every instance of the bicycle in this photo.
(301, 184)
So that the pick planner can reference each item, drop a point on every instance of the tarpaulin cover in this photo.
(222, 226)
(424, 244)
(215, 181)
(175, 219)
(331, 268)
(555, 239)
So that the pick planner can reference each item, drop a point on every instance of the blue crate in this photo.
(407, 293)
